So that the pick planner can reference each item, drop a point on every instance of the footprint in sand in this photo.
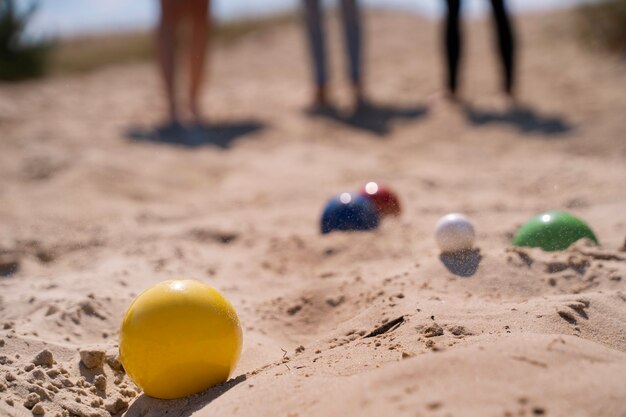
(574, 310)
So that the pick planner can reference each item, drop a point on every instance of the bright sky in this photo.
(62, 17)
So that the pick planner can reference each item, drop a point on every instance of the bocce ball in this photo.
(178, 338)
(454, 233)
(553, 231)
(385, 200)
(349, 212)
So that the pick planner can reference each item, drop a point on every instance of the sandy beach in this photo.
(93, 212)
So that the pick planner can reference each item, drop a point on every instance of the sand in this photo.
(89, 217)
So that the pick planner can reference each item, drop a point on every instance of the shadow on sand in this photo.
(219, 135)
(370, 117)
(148, 406)
(524, 119)
(464, 264)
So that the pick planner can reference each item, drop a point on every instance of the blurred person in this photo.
(506, 45)
(193, 15)
(352, 32)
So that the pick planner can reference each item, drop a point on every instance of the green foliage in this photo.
(91, 52)
(87, 53)
(603, 25)
(19, 60)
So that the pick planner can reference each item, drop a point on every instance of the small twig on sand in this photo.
(390, 325)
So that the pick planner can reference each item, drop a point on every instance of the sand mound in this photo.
(63, 383)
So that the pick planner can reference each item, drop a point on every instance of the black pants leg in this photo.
(506, 43)
(314, 17)
(453, 43)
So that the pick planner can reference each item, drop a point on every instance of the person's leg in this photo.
(198, 14)
(506, 43)
(352, 30)
(453, 44)
(313, 15)
(166, 49)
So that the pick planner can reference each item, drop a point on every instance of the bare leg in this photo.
(166, 46)
(197, 12)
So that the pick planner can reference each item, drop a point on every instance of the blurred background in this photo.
(80, 16)
(52, 37)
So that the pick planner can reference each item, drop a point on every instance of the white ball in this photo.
(454, 233)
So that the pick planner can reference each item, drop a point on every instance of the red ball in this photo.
(385, 200)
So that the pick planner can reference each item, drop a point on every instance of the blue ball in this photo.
(347, 212)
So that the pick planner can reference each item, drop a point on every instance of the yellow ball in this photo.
(178, 338)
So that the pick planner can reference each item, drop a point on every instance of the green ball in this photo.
(552, 231)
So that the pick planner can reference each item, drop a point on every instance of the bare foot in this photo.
(193, 116)
(320, 99)
(173, 114)
(440, 98)
(358, 96)
(512, 100)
